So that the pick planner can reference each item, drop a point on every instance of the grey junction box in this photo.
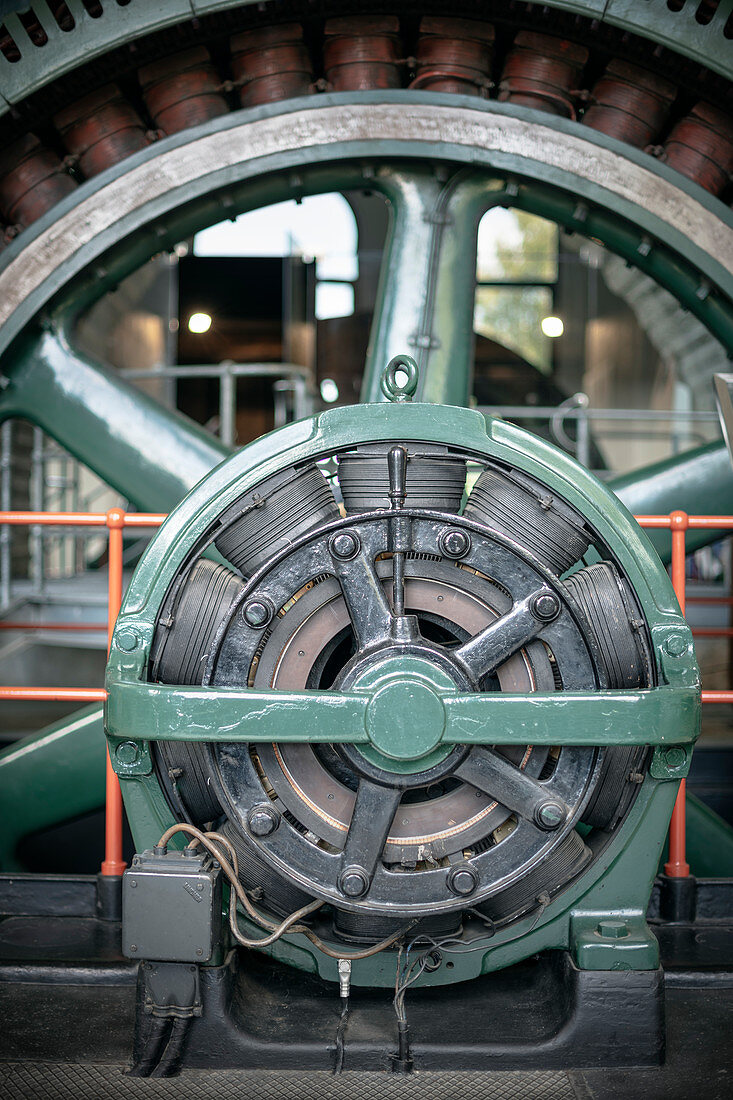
(171, 906)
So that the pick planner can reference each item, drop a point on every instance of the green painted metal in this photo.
(120, 25)
(150, 454)
(699, 482)
(50, 777)
(709, 841)
(137, 711)
(662, 716)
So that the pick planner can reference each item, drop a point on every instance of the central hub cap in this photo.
(405, 719)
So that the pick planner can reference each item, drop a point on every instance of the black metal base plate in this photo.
(542, 1028)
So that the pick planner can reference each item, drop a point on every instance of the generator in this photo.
(412, 693)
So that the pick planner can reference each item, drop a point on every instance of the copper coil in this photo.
(182, 91)
(543, 72)
(629, 103)
(701, 147)
(362, 52)
(32, 180)
(453, 55)
(271, 63)
(101, 130)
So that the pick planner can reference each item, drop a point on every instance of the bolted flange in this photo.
(353, 881)
(549, 815)
(263, 820)
(455, 544)
(545, 607)
(345, 545)
(462, 880)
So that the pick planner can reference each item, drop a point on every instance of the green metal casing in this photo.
(618, 883)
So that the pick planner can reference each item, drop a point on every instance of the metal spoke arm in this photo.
(371, 819)
(495, 644)
(497, 777)
(362, 589)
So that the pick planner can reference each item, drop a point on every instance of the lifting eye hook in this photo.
(395, 390)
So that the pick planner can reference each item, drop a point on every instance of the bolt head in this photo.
(263, 820)
(550, 814)
(462, 880)
(676, 645)
(127, 753)
(545, 607)
(128, 640)
(257, 613)
(353, 882)
(455, 544)
(344, 545)
(675, 756)
(613, 929)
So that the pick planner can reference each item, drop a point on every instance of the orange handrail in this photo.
(116, 521)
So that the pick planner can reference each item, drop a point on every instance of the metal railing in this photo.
(55, 477)
(577, 410)
(116, 521)
(290, 379)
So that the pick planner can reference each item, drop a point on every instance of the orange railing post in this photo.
(677, 865)
(113, 864)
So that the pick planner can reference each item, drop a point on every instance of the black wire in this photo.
(151, 1050)
(338, 1063)
(170, 1060)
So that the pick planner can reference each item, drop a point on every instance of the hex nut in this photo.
(455, 544)
(545, 607)
(676, 645)
(257, 613)
(462, 880)
(353, 882)
(613, 929)
(344, 545)
(127, 752)
(127, 640)
(263, 820)
(675, 756)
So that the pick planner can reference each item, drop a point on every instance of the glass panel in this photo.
(516, 246)
(512, 316)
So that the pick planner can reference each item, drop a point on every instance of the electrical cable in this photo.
(150, 1055)
(338, 1064)
(171, 1056)
(276, 930)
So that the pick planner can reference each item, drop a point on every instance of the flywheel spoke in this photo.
(519, 792)
(374, 812)
(363, 592)
(495, 644)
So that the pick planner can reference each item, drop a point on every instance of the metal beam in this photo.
(150, 455)
(699, 482)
